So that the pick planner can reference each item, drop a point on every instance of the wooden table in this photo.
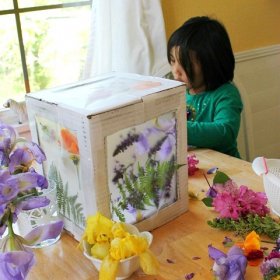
(179, 240)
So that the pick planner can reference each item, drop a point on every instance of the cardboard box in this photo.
(113, 144)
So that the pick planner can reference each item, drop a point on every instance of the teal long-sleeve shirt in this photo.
(214, 119)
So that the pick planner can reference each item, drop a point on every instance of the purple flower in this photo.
(22, 157)
(30, 180)
(43, 232)
(269, 265)
(142, 145)
(231, 266)
(9, 187)
(33, 202)
(4, 158)
(131, 209)
(166, 147)
(15, 265)
(212, 170)
(211, 192)
(37, 152)
(7, 137)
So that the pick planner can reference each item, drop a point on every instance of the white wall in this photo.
(257, 76)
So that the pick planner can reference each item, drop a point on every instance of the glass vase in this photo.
(29, 220)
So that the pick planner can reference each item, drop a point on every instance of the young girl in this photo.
(201, 56)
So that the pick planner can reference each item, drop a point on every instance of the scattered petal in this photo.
(227, 242)
(212, 170)
(264, 248)
(196, 258)
(189, 276)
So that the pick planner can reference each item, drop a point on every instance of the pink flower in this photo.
(228, 186)
(227, 205)
(235, 203)
(192, 162)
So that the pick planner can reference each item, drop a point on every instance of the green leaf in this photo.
(207, 201)
(220, 178)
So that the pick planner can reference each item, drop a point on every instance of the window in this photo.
(43, 44)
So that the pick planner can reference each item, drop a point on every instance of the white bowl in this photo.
(126, 266)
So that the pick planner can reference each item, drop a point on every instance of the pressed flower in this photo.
(142, 145)
(166, 147)
(70, 141)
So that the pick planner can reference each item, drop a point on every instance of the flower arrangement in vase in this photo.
(20, 190)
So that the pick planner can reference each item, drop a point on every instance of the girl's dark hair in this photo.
(208, 40)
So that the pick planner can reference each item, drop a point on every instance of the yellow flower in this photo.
(118, 230)
(131, 245)
(98, 229)
(112, 242)
(149, 263)
(100, 250)
(108, 269)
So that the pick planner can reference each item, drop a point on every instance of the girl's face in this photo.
(179, 73)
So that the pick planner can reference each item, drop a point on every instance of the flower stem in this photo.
(206, 180)
(11, 234)
(78, 175)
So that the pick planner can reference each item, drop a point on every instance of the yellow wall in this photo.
(250, 23)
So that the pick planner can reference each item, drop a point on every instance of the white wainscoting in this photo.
(257, 76)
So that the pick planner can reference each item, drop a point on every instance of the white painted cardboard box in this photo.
(113, 144)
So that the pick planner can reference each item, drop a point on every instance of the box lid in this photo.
(105, 92)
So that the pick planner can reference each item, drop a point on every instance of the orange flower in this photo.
(70, 141)
(251, 247)
(252, 242)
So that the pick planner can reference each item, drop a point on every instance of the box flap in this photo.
(105, 92)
